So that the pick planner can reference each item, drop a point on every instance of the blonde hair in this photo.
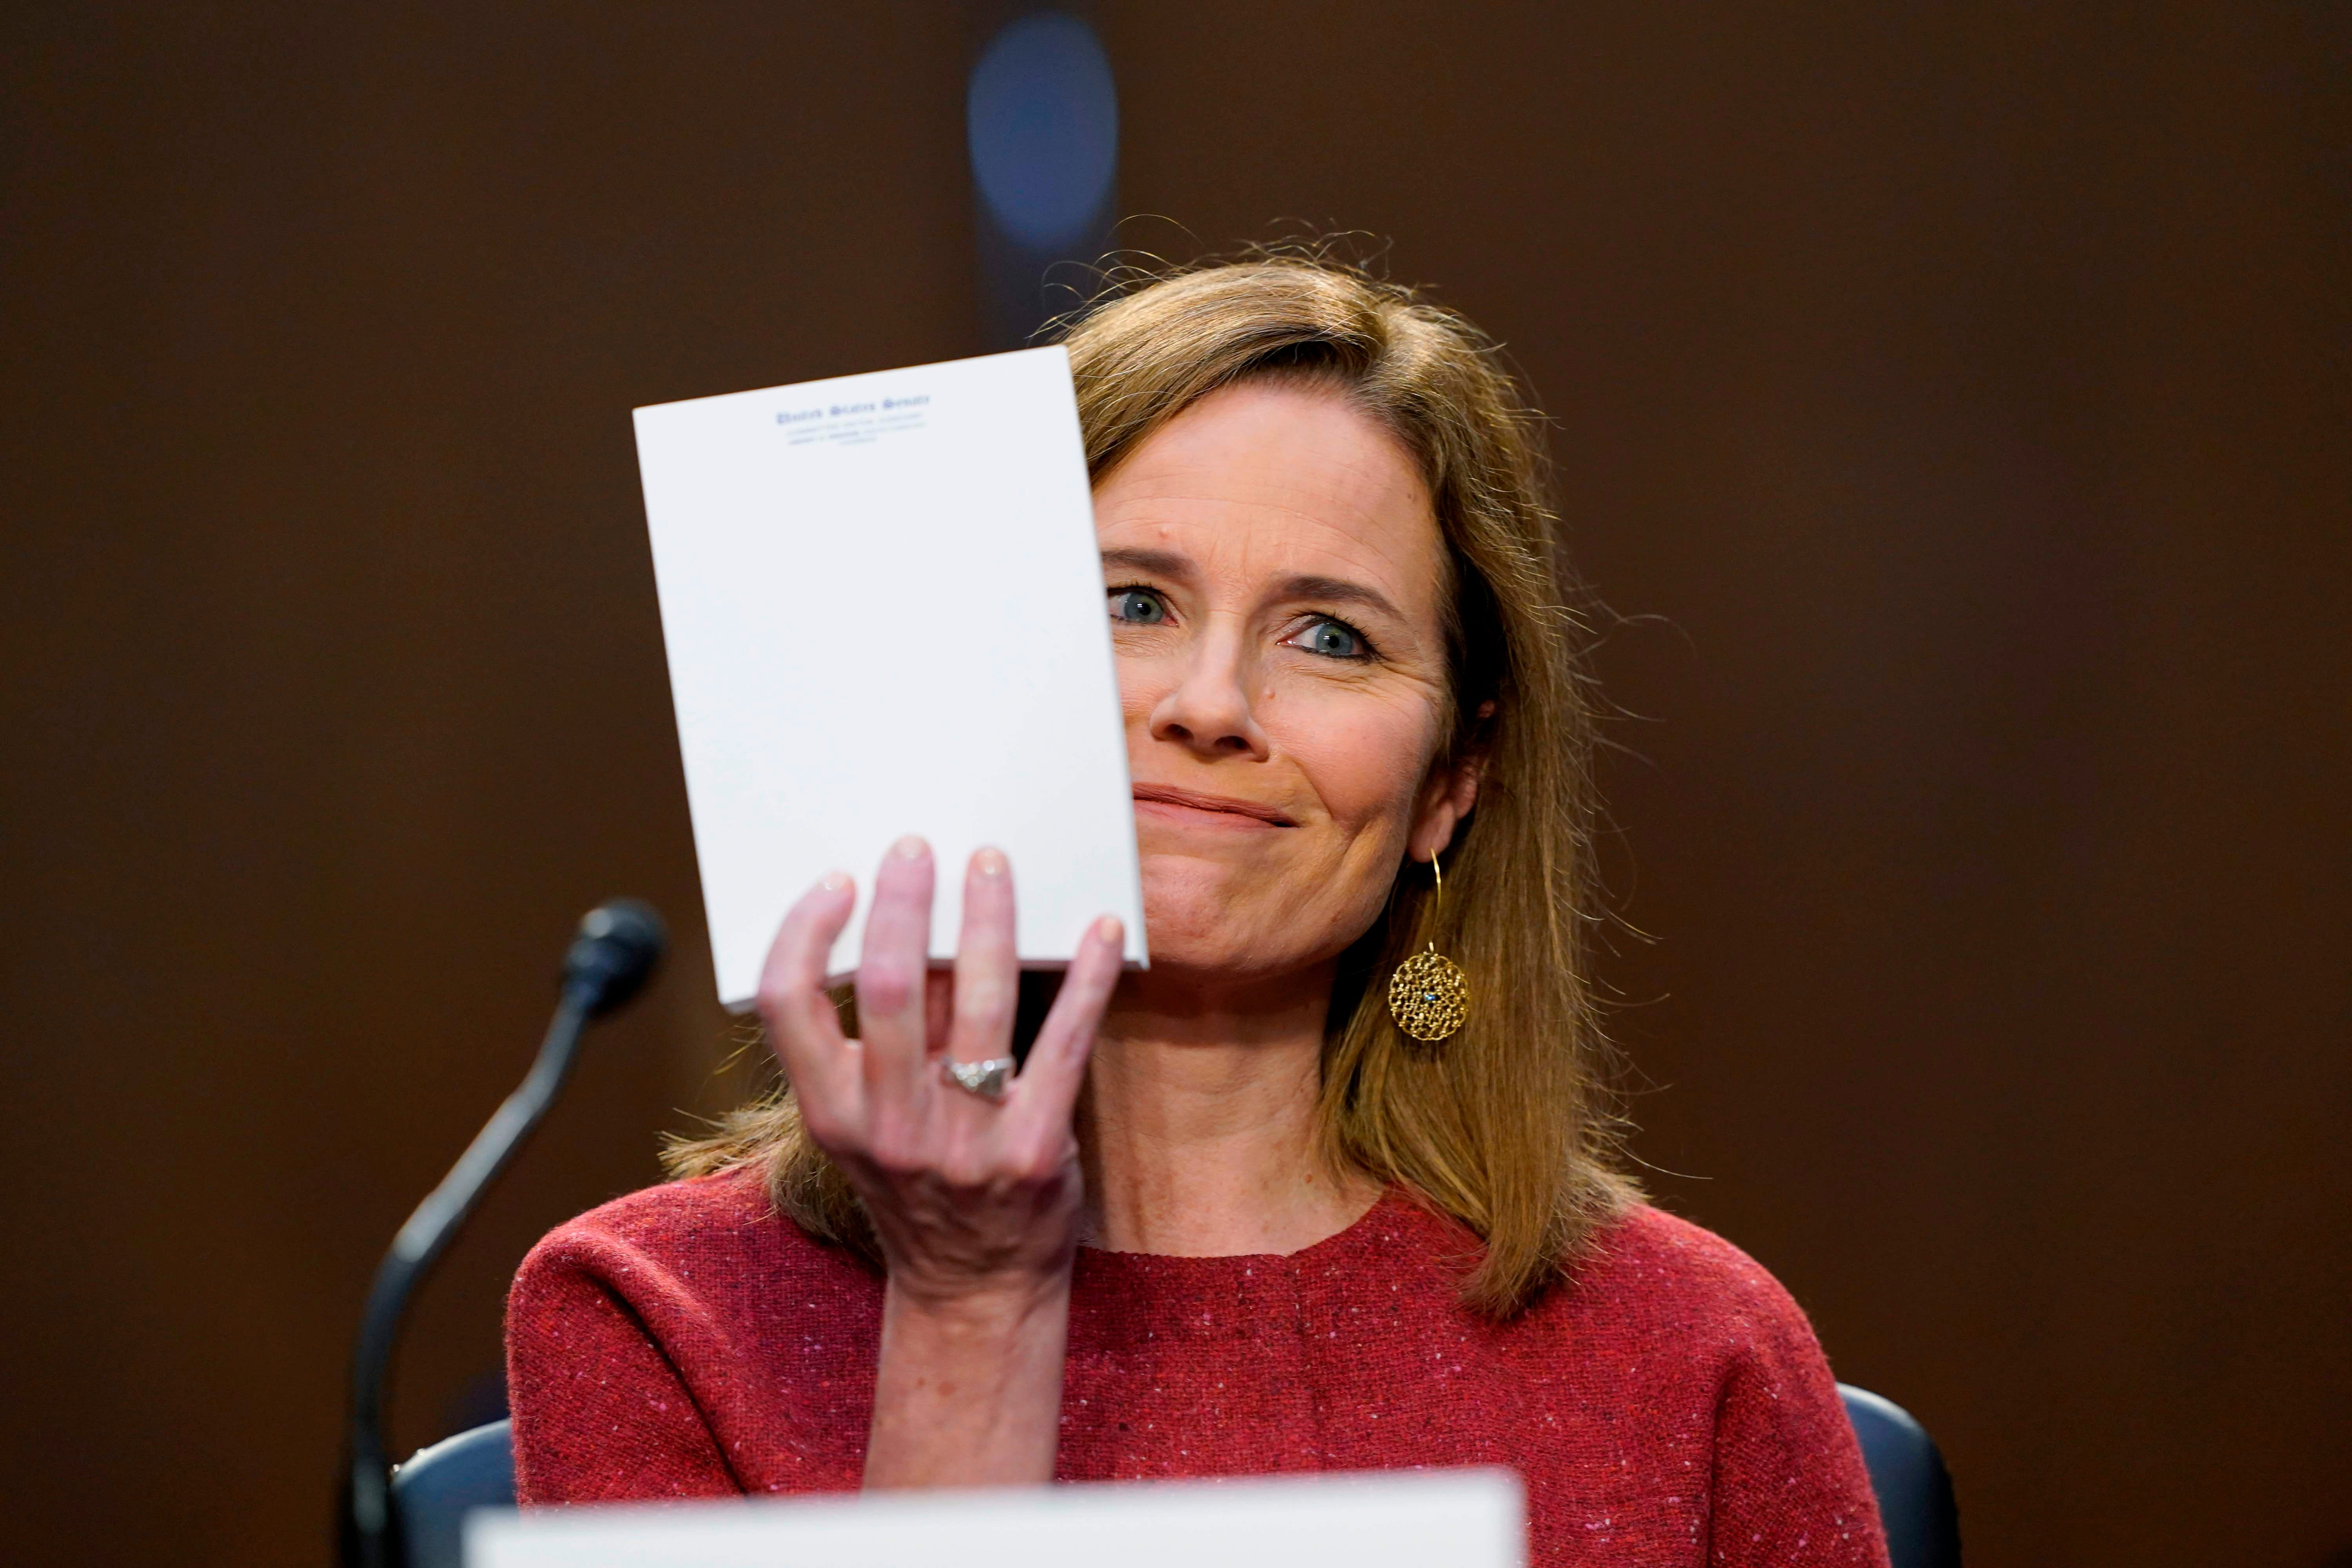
(1505, 1127)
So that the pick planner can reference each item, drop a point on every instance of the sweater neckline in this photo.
(1338, 1241)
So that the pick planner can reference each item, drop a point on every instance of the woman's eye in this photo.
(1137, 606)
(1333, 639)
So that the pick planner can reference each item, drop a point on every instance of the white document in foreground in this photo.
(883, 611)
(1404, 1519)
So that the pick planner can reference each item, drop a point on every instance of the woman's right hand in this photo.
(975, 1201)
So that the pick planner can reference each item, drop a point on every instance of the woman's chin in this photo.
(1214, 960)
(1195, 937)
(1197, 931)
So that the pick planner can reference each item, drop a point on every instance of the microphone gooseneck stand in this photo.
(618, 945)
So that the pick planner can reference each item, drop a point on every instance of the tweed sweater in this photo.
(1666, 1403)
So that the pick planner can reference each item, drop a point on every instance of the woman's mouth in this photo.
(1170, 803)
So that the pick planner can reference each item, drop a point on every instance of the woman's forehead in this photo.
(1267, 478)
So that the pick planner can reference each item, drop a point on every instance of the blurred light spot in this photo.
(1043, 117)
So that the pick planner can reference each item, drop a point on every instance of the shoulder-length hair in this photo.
(1505, 1126)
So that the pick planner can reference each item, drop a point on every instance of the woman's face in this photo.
(1273, 566)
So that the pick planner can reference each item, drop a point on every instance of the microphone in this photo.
(618, 946)
(619, 943)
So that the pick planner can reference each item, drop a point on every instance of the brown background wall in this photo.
(1961, 389)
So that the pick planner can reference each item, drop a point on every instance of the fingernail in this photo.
(988, 862)
(1110, 929)
(910, 847)
(832, 881)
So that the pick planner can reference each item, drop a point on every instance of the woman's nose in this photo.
(1208, 709)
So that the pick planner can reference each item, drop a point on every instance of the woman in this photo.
(1230, 1216)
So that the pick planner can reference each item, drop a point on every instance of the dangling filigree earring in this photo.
(1429, 997)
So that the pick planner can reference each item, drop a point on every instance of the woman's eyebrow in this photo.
(1338, 590)
(1155, 563)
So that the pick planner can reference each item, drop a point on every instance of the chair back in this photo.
(439, 1486)
(1906, 1472)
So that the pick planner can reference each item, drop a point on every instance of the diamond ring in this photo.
(986, 1080)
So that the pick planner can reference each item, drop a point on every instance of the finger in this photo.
(803, 1030)
(890, 971)
(987, 968)
(939, 1011)
(1048, 1086)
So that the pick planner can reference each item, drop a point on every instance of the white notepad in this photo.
(883, 611)
(1405, 1519)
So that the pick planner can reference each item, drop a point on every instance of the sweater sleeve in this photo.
(1789, 1485)
(601, 1412)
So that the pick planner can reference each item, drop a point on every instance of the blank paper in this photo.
(884, 612)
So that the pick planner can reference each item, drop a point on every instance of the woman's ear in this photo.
(1449, 795)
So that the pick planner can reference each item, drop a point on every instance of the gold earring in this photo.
(1429, 997)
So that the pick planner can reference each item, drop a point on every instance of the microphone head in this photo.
(620, 942)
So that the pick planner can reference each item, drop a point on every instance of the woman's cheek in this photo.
(1364, 758)
(1142, 682)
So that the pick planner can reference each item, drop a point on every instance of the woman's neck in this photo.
(1199, 1121)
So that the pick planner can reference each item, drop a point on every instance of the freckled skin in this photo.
(1225, 693)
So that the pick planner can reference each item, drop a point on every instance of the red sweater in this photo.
(1667, 1404)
